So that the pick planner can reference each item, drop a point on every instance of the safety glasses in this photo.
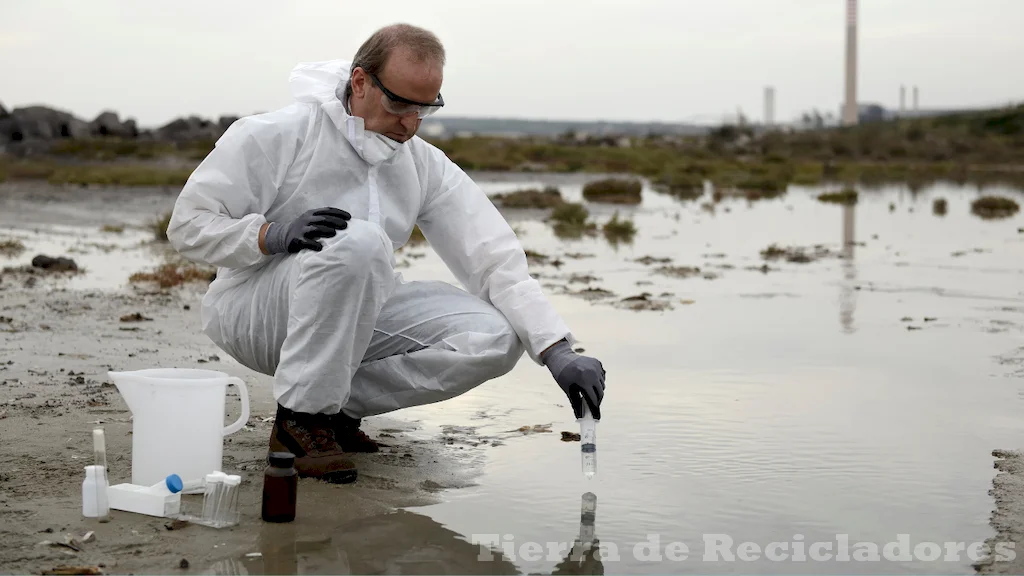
(400, 106)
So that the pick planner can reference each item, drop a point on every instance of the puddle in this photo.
(768, 400)
(105, 260)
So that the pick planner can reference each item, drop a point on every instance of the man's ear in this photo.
(359, 79)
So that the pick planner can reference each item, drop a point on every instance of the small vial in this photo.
(229, 502)
(280, 488)
(588, 442)
(214, 487)
(94, 493)
(99, 451)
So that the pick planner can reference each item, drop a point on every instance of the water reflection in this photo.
(848, 292)
(405, 542)
(398, 543)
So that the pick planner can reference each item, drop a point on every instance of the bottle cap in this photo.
(282, 459)
(214, 477)
(233, 480)
(174, 483)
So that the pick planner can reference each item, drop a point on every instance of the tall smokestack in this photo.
(769, 106)
(850, 109)
(903, 99)
(915, 98)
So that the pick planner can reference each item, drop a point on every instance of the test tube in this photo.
(99, 451)
(229, 514)
(588, 442)
(214, 487)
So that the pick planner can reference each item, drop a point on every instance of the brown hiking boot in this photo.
(350, 437)
(311, 439)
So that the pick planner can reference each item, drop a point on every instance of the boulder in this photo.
(191, 128)
(42, 123)
(108, 124)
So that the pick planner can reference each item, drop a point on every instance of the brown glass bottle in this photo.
(280, 488)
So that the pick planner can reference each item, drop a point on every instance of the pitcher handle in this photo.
(243, 393)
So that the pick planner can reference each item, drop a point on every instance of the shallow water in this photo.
(789, 406)
(846, 399)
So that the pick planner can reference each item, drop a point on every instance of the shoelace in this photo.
(321, 438)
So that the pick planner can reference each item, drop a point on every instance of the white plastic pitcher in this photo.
(178, 421)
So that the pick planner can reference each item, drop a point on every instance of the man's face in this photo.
(403, 76)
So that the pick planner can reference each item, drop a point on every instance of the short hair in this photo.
(375, 51)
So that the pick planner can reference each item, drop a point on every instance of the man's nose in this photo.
(409, 121)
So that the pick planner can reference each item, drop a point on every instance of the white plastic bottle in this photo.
(94, 493)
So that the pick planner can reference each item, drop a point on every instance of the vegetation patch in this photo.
(847, 196)
(613, 191)
(616, 230)
(11, 247)
(173, 274)
(993, 207)
(939, 207)
(549, 197)
(571, 220)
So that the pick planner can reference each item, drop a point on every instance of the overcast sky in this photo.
(667, 60)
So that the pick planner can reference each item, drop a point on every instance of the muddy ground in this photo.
(56, 346)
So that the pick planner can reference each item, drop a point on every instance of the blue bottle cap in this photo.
(174, 483)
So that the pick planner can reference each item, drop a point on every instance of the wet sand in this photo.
(56, 346)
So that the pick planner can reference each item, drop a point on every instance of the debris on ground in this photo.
(135, 317)
(58, 264)
(797, 254)
(642, 302)
(73, 570)
(648, 260)
(678, 271)
(536, 428)
(570, 437)
(591, 294)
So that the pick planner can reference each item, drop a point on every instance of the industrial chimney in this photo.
(903, 99)
(769, 106)
(850, 107)
(915, 98)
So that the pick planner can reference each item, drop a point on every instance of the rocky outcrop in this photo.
(40, 124)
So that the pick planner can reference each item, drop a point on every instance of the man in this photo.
(301, 210)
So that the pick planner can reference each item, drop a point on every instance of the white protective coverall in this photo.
(340, 329)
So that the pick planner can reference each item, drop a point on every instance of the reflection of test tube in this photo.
(588, 442)
(588, 514)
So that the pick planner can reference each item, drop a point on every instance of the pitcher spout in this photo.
(128, 386)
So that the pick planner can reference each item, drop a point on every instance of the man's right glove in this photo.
(304, 231)
(580, 377)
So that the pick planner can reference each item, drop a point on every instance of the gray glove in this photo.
(304, 231)
(578, 376)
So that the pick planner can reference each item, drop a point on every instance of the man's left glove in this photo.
(580, 377)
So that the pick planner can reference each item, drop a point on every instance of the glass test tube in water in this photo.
(99, 451)
(588, 442)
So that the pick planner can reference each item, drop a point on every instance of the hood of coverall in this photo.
(322, 83)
